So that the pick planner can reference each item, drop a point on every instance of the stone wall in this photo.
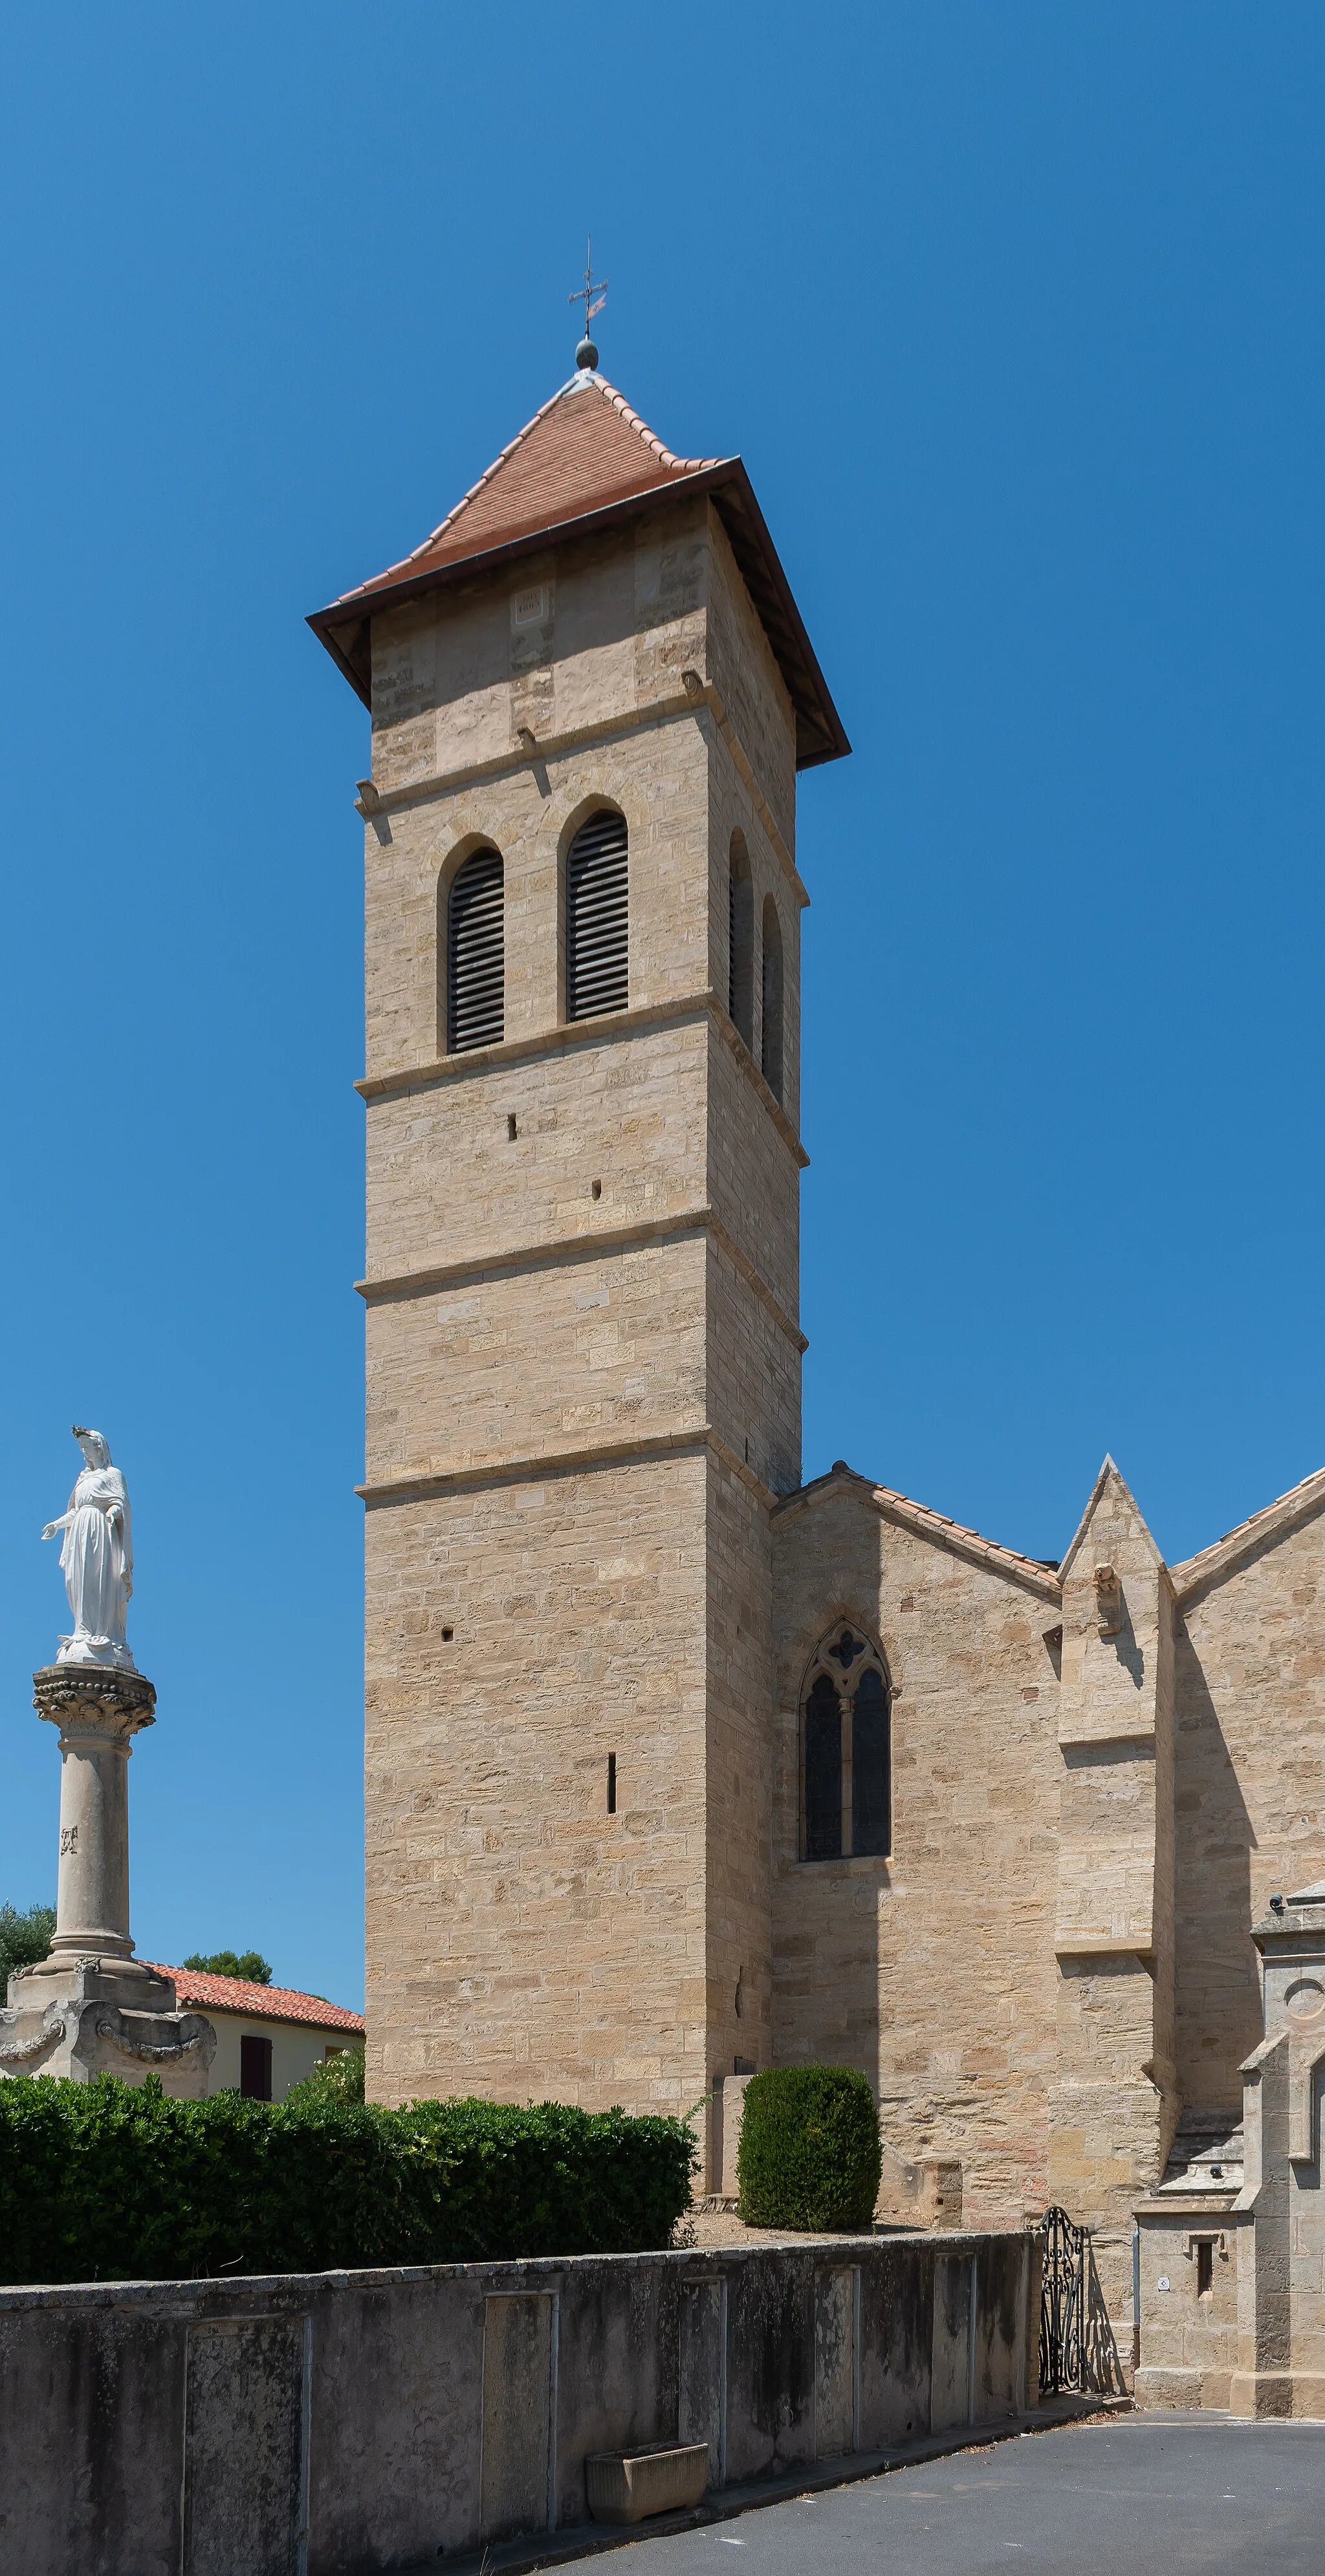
(1251, 1782)
(521, 1941)
(931, 1969)
(348, 2422)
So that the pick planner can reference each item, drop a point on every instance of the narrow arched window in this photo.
(741, 942)
(846, 1798)
(475, 954)
(597, 918)
(771, 1035)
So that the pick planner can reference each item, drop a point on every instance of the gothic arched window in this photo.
(846, 1755)
(597, 918)
(741, 942)
(475, 954)
(771, 1035)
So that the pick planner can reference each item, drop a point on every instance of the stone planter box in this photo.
(628, 2486)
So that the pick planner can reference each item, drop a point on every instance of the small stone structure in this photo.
(362, 2420)
(1232, 2246)
(91, 2008)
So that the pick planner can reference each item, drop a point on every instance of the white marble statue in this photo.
(96, 1559)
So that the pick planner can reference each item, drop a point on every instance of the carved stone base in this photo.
(87, 2017)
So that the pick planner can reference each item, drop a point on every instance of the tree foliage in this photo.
(24, 1939)
(248, 1964)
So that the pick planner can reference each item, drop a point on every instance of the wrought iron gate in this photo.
(1063, 2304)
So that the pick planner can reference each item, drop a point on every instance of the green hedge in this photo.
(112, 2182)
(809, 2152)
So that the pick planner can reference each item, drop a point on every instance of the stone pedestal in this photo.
(91, 2008)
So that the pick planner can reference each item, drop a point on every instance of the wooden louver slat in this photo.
(475, 954)
(597, 918)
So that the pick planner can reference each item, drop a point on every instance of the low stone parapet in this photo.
(377, 2419)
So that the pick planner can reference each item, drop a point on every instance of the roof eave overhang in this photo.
(344, 627)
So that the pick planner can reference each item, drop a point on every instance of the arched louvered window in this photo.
(741, 943)
(846, 1751)
(597, 918)
(475, 954)
(771, 1033)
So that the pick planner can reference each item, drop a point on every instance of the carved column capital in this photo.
(93, 1700)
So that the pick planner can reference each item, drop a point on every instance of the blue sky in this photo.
(1015, 314)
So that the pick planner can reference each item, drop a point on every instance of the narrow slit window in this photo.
(771, 1029)
(741, 943)
(475, 954)
(611, 1784)
(1205, 2269)
(597, 918)
(823, 1772)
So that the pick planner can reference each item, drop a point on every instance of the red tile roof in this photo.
(584, 461)
(585, 449)
(273, 2003)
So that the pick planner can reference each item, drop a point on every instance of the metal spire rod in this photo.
(593, 296)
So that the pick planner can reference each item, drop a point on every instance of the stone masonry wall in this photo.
(933, 1969)
(522, 1942)
(738, 1788)
(733, 809)
(1250, 1790)
(527, 1362)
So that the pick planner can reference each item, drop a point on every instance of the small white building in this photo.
(267, 2037)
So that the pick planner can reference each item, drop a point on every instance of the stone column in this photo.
(98, 1712)
(90, 2008)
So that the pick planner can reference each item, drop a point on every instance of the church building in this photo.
(677, 1767)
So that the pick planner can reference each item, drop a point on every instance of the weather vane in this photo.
(593, 298)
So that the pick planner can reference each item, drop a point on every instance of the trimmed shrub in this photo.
(112, 2182)
(809, 2153)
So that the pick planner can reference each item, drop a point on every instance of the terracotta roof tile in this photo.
(273, 2003)
(584, 449)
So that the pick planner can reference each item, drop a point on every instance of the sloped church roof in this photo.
(586, 461)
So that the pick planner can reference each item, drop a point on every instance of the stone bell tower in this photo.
(591, 692)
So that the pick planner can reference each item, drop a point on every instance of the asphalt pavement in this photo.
(1142, 2495)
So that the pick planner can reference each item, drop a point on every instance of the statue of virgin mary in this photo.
(96, 1559)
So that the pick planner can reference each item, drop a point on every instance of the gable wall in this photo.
(934, 1970)
(1249, 1802)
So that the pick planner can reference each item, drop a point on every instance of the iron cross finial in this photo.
(593, 297)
